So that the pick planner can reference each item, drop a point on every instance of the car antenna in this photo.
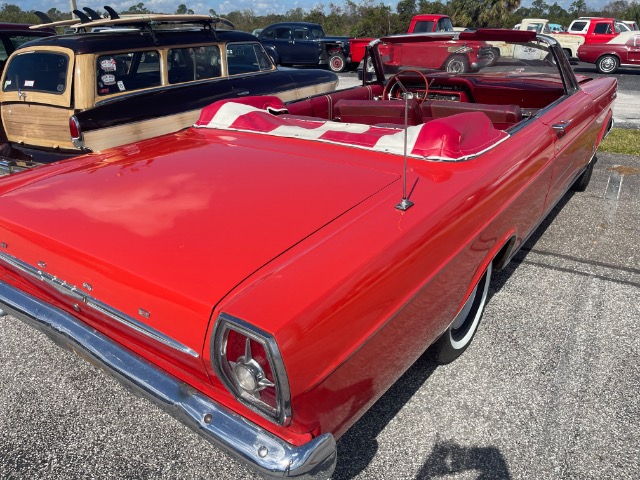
(405, 203)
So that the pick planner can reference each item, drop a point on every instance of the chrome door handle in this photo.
(243, 93)
(559, 128)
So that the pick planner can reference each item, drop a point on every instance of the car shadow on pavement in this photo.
(448, 458)
(359, 444)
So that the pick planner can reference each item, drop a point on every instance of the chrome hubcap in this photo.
(607, 64)
(455, 67)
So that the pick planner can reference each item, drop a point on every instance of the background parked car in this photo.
(303, 43)
(65, 95)
(568, 42)
(454, 57)
(621, 51)
(596, 29)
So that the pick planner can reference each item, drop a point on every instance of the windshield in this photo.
(465, 57)
(318, 32)
(445, 25)
(621, 27)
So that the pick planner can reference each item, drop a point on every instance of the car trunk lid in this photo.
(163, 229)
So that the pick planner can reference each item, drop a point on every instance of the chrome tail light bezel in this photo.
(226, 323)
(75, 131)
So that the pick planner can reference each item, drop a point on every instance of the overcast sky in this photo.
(259, 7)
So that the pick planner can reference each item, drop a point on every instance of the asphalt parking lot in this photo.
(548, 389)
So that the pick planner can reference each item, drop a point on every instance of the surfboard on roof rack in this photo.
(48, 23)
(151, 18)
(89, 21)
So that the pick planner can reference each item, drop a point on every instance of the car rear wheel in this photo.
(582, 182)
(607, 64)
(455, 340)
(457, 64)
(337, 63)
(492, 56)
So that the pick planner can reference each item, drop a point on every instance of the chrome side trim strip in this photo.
(75, 293)
(246, 441)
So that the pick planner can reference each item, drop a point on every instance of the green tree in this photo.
(424, 6)
(183, 10)
(56, 15)
(406, 9)
(578, 8)
(245, 20)
(616, 9)
(539, 9)
(477, 13)
(138, 9)
(295, 15)
(375, 20)
(13, 14)
(338, 21)
(559, 15)
(633, 12)
(316, 15)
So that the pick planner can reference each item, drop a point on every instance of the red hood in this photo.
(171, 225)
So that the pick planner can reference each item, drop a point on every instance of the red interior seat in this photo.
(376, 112)
(502, 116)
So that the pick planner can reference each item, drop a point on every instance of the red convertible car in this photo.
(621, 51)
(266, 275)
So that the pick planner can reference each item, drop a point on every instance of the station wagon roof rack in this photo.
(91, 19)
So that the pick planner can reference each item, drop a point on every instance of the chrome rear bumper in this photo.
(271, 456)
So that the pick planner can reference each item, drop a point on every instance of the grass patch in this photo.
(622, 140)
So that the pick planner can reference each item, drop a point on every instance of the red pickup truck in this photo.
(424, 23)
(596, 29)
(456, 56)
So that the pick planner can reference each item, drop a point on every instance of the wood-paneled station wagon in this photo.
(267, 274)
(86, 92)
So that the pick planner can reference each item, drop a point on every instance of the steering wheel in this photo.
(393, 81)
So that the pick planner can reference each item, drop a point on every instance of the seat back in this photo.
(374, 112)
(502, 116)
(324, 106)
